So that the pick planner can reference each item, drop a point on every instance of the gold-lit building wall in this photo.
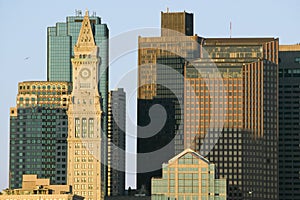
(211, 102)
(34, 188)
(152, 48)
(44, 94)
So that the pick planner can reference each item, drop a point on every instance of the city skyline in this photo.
(31, 62)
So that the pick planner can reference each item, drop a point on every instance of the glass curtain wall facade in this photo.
(38, 132)
(289, 127)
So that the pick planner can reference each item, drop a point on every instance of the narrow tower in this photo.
(84, 116)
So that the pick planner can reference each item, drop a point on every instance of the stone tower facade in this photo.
(84, 116)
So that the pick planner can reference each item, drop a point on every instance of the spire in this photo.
(86, 37)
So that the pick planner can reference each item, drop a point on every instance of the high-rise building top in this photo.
(43, 94)
(173, 23)
(61, 40)
(291, 48)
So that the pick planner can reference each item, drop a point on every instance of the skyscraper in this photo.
(116, 142)
(85, 139)
(38, 132)
(224, 80)
(163, 86)
(289, 127)
(61, 40)
(236, 83)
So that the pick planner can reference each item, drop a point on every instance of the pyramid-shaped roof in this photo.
(85, 38)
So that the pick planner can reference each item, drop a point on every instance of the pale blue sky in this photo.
(23, 34)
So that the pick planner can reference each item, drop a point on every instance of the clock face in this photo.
(85, 73)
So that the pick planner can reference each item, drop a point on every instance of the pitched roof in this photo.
(186, 151)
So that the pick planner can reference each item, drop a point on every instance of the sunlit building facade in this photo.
(189, 176)
(34, 188)
(86, 167)
(61, 40)
(230, 113)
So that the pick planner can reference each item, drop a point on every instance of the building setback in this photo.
(289, 127)
(116, 142)
(38, 132)
(188, 176)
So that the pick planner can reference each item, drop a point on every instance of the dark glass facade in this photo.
(289, 127)
(38, 144)
(38, 132)
(116, 142)
(161, 144)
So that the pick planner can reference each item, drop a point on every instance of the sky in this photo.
(23, 35)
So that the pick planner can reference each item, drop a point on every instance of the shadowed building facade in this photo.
(289, 127)
(116, 142)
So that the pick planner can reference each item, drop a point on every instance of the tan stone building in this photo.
(84, 118)
(39, 189)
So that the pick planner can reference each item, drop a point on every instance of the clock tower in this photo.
(84, 118)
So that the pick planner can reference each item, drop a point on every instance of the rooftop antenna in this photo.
(230, 29)
(167, 10)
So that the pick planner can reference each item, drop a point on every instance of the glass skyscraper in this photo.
(289, 127)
